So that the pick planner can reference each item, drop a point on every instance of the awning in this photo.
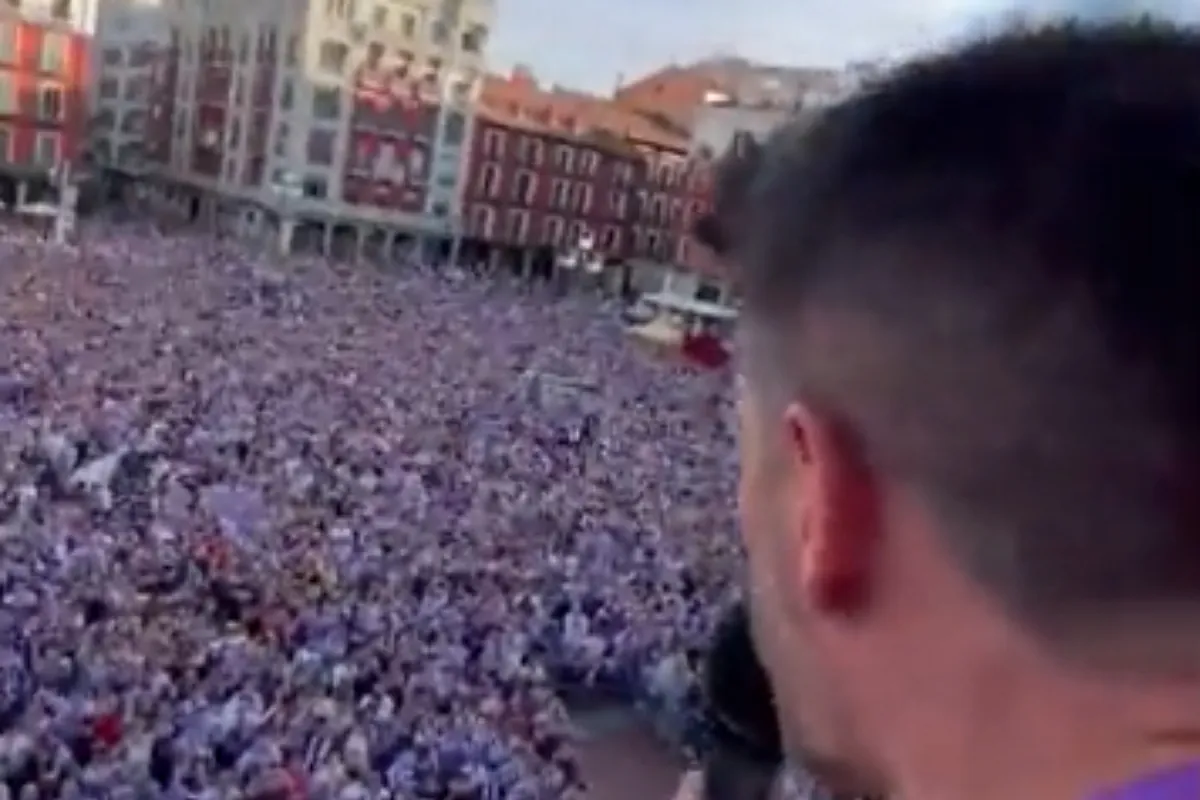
(658, 331)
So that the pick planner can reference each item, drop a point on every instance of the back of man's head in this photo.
(986, 270)
(1018, 226)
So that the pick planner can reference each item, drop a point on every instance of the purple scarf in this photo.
(1179, 783)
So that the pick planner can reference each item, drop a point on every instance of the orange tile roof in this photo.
(521, 103)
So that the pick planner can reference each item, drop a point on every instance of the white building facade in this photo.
(349, 115)
(130, 37)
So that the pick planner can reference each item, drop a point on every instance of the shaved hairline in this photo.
(910, 373)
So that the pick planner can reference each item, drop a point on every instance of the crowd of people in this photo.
(298, 529)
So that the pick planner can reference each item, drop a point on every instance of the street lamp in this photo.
(288, 188)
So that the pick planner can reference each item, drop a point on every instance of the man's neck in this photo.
(1065, 744)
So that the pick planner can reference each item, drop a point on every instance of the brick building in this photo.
(720, 102)
(561, 179)
(330, 123)
(44, 60)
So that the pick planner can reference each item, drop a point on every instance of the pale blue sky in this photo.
(587, 43)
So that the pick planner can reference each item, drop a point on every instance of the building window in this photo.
(589, 162)
(110, 88)
(137, 89)
(516, 226)
(483, 221)
(525, 149)
(418, 166)
(50, 103)
(474, 39)
(332, 56)
(439, 32)
(8, 42)
(287, 95)
(433, 70)
(315, 186)
(489, 180)
(374, 59)
(46, 148)
(61, 10)
(524, 187)
(552, 231)
(320, 147)
(493, 144)
(578, 229)
(134, 122)
(327, 103)
(676, 212)
(683, 251)
(112, 56)
(292, 53)
(408, 25)
(662, 250)
(583, 198)
(379, 17)
(616, 203)
(54, 53)
(8, 94)
(564, 158)
(283, 135)
(456, 128)
(461, 89)
(6, 142)
(610, 239)
(741, 142)
(708, 293)
(560, 192)
(659, 208)
(651, 242)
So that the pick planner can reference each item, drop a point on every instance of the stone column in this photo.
(388, 256)
(527, 255)
(287, 233)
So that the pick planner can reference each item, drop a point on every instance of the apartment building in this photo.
(562, 180)
(44, 66)
(130, 38)
(725, 103)
(338, 124)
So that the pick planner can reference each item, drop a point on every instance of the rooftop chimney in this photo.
(522, 75)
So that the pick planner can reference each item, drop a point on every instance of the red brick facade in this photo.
(45, 68)
(530, 187)
(548, 168)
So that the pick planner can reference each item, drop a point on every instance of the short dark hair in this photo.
(989, 264)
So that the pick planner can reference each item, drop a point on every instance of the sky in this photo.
(591, 44)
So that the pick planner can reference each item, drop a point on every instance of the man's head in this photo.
(972, 380)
